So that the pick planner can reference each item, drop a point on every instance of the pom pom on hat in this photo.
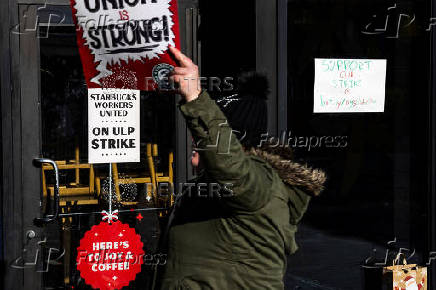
(246, 110)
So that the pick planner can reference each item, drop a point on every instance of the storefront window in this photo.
(377, 163)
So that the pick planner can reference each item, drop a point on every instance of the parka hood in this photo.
(292, 173)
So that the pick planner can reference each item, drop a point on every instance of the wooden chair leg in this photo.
(77, 159)
(152, 172)
(44, 183)
(91, 180)
(97, 185)
(66, 241)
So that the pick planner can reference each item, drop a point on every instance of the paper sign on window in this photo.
(113, 125)
(349, 85)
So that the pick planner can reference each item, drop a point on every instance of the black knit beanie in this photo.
(246, 108)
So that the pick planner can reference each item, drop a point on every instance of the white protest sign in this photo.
(349, 85)
(113, 125)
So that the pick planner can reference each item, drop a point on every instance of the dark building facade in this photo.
(380, 196)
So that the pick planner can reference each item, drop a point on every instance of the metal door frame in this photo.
(432, 152)
(20, 110)
(11, 142)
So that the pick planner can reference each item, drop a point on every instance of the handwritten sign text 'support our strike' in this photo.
(113, 125)
(349, 85)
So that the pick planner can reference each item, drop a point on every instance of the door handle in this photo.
(48, 217)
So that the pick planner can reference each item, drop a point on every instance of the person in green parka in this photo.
(237, 238)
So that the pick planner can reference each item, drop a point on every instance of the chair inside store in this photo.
(73, 189)
(75, 192)
(72, 192)
(150, 177)
(83, 185)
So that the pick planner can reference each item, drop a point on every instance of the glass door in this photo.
(62, 189)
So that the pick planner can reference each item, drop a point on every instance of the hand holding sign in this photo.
(186, 76)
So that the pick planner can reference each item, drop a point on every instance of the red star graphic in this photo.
(139, 217)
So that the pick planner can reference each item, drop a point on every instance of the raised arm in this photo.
(220, 151)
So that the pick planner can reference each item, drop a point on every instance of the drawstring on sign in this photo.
(110, 217)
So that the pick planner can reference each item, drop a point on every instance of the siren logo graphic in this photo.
(161, 73)
(119, 34)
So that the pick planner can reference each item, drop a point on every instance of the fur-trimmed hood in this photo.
(292, 173)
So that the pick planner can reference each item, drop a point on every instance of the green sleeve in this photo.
(223, 156)
(298, 203)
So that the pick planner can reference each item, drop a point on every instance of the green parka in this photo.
(238, 240)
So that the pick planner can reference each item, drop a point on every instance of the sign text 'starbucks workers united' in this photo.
(113, 125)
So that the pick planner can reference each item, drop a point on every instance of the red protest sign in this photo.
(124, 43)
(110, 255)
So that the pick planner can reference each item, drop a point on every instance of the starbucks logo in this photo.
(161, 73)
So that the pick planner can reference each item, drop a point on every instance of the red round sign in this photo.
(110, 255)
